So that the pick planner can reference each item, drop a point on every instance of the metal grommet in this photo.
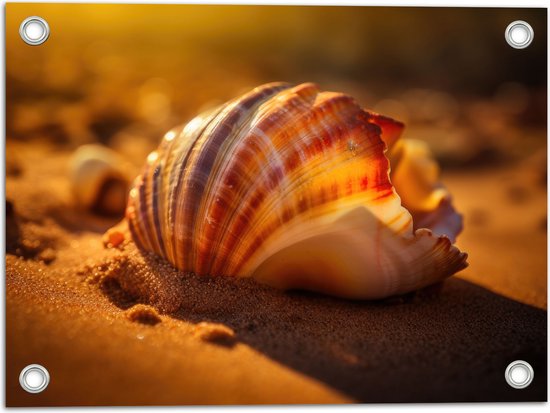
(34, 378)
(34, 30)
(519, 374)
(519, 34)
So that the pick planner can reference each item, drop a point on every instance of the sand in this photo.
(238, 342)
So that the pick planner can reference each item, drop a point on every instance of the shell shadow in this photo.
(449, 343)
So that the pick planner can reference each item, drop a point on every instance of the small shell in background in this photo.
(100, 179)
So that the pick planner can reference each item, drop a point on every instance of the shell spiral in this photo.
(292, 186)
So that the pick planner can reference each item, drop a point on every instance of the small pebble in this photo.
(214, 333)
(143, 314)
(113, 238)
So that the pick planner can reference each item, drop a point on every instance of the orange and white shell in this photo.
(292, 186)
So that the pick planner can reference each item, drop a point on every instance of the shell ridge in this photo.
(263, 118)
(156, 210)
(159, 204)
(178, 174)
(139, 220)
(156, 159)
(203, 155)
(142, 209)
(133, 214)
(205, 227)
(151, 197)
(188, 138)
(335, 162)
(280, 193)
(287, 151)
(170, 155)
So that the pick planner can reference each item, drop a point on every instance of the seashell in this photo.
(100, 179)
(291, 186)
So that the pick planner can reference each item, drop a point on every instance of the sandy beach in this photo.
(115, 326)
(450, 342)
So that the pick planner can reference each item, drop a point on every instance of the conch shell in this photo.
(292, 186)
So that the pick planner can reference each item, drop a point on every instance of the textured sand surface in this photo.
(239, 342)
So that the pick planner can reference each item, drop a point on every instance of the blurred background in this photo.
(122, 75)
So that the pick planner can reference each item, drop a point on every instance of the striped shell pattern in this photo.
(292, 186)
